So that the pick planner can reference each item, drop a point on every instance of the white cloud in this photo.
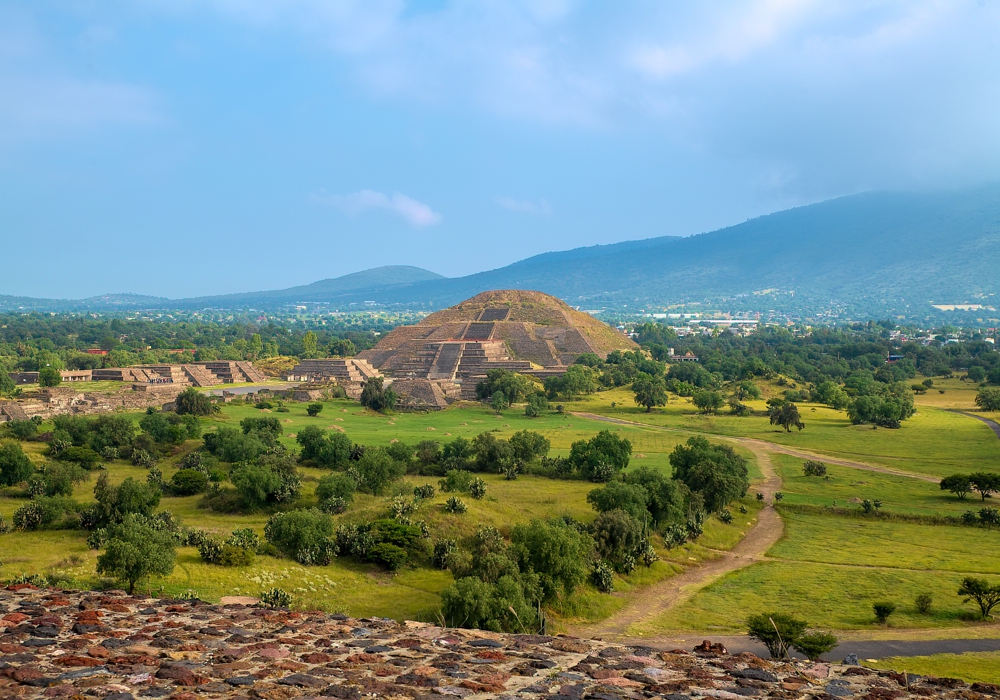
(415, 213)
(525, 206)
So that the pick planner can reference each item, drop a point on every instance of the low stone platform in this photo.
(80, 645)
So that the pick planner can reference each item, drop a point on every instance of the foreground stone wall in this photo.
(62, 644)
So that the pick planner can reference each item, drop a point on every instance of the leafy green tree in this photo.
(49, 376)
(958, 484)
(310, 345)
(601, 457)
(554, 551)
(708, 401)
(499, 403)
(501, 607)
(186, 482)
(976, 374)
(516, 387)
(746, 390)
(617, 535)
(537, 404)
(988, 399)
(193, 402)
(617, 495)
(665, 497)
(343, 347)
(815, 644)
(377, 397)
(785, 414)
(527, 446)
(376, 471)
(7, 385)
(273, 478)
(985, 483)
(114, 503)
(135, 550)
(15, 466)
(811, 467)
(303, 534)
(987, 596)
(649, 391)
(883, 610)
(830, 393)
(776, 631)
(715, 471)
(327, 450)
(336, 486)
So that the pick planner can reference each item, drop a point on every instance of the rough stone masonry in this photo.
(79, 645)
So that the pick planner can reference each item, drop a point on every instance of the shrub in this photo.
(455, 505)
(244, 538)
(58, 479)
(84, 456)
(187, 482)
(231, 555)
(376, 470)
(314, 408)
(15, 466)
(554, 551)
(210, 549)
(142, 458)
(377, 397)
(423, 492)
(109, 453)
(305, 535)
(456, 481)
(275, 598)
(813, 468)
(29, 516)
(725, 516)
(923, 603)
(22, 429)
(114, 503)
(338, 486)
(814, 644)
(400, 507)
(477, 489)
(193, 402)
(883, 610)
(601, 457)
(776, 631)
(500, 606)
(616, 536)
(388, 555)
(443, 550)
(135, 549)
(335, 505)
(603, 577)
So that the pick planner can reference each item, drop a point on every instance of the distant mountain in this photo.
(383, 278)
(873, 255)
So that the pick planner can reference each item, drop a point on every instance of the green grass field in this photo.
(974, 666)
(934, 441)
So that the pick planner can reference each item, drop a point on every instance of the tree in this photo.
(631, 498)
(271, 479)
(135, 550)
(716, 471)
(776, 631)
(785, 414)
(601, 457)
(555, 551)
(343, 347)
(985, 483)
(708, 401)
(649, 391)
(7, 385)
(193, 402)
(814, 644)
(832, 395)
(310, 345)
(616, 536)
(501, 606)
(526, 446)
(988, 399)
(376, 470)
(314, 408)
(515, 387)
(958, 484)
(304, 534)
(15, 466)
(536, 404)
(499, 402)
(377, 397)
(336, 486)
(186, 482)
(665, 497)
(746, 390)
(979, 589)
(813, 468)
(115, 503)
(327, 450)
(49, 376)
(976, 374)
(883, 610)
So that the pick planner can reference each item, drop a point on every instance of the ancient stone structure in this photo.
(527, 332)
(198, 374)
(63, 644)
(350, 373)
(54, 401)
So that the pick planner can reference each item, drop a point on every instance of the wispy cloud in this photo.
(413, 212)
(525, 206)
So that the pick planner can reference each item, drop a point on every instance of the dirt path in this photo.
(754, 445)
(660, 597)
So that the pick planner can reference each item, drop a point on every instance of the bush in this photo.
(114, 503)
(336, 486)
(305, 535)
(725, 516)
(245, 538)
(187, 482)
(455, 505)
(814, 644)
(231, 555)
(15, 466)
(275, 598)
(501, 606)
(477, 489)
(923, 603)
(602, 457)
(883, 610)
(49, 376)
(813, 468)
(193, 402)
(776, 631)
(388, 555)
(376, 470)
(84, 456)
(142, 458)
(423, 492)
(58, 479)
(335, 505)
(617, 535)
(22, 429)
(456, 481)
(443, 550)
(603, 577)
(314, 408)
(553, 551)
(29, 516)
(377, 397)
(210, 549)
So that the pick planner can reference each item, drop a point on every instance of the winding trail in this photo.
(755, 445)
(656, 599)
(994, 426)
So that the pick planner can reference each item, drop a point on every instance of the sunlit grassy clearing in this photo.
(983, 667)
(934, 441)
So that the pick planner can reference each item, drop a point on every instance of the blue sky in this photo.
(182, 147)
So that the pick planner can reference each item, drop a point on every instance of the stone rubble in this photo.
(81, 645)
